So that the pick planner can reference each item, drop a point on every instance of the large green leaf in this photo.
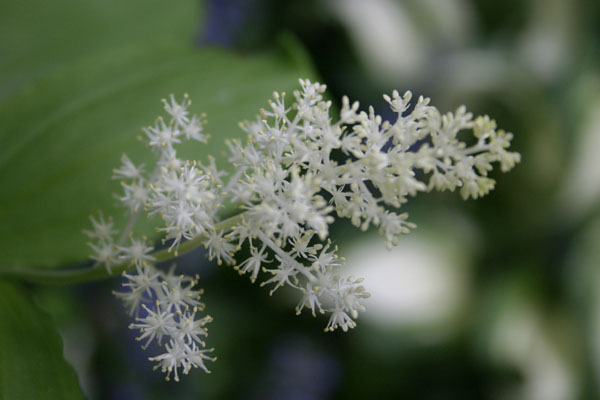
(60, 140)
(31, 362)
(62, 134)
(38, 36)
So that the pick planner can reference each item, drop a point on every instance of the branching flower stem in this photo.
(286, 178)
(99, 272)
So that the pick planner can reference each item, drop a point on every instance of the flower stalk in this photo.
(99, 272)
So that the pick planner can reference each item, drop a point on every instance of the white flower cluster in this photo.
(169, 304)
(184, 195)
(108, 252)
(296, 171)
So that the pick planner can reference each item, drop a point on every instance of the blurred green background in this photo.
(490, 299)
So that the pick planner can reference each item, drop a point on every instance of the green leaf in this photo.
(38, 37)
(31, 362)
(61, 137)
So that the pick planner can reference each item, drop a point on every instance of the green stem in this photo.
(98, 272)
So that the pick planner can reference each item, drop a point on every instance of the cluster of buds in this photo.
(296, 172)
